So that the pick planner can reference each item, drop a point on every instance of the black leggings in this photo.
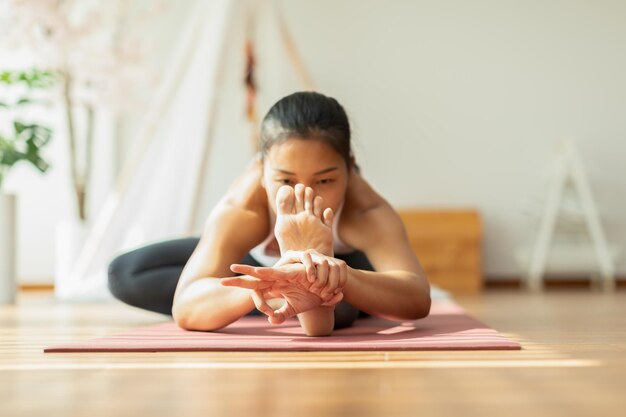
(146, 277)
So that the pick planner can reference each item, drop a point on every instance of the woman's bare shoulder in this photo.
(361, 200)
(361, 196)
(377, 229)
(246, 191)
(245, 201)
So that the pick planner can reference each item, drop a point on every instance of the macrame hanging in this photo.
(250, 83)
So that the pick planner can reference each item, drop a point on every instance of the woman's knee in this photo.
(124, 269)
(119, 275)
(158, 254)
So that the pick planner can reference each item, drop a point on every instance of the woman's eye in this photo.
(284, 180)
(326, 181)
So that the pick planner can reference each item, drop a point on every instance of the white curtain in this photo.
(153, 197)
(194, 139)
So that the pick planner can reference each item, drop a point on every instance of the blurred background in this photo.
(459, 113)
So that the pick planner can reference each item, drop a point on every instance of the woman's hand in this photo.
(327, 275)
(287, 281)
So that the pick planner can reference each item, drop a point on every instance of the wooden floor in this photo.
(573, 363)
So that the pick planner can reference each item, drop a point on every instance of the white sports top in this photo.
(268, 256)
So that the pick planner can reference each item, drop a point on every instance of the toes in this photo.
(318, 206)
(299, 197)
(328, 217)
(285, 200)
(308, 199)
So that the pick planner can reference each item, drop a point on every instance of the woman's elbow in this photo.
(181, 316)
(424, 298)
(186, 321)
(424, 307)
(204, 326)
(421, 308)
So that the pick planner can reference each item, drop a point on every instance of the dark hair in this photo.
(307, 115)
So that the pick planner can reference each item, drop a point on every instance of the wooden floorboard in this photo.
(573, 363)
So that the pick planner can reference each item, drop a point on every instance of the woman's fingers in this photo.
(343, 277)
(283, 313)
(261, 304)
(333, 301)
(245, 282)
(333, 281)
(307, 277)
(322, 276)
(275, 319)
(242, 269)
(307, 260)
(266, 273)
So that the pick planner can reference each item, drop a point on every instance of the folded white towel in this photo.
(437, 293)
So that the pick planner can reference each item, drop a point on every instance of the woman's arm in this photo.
(206, 305)
(200, 302)
(398, 289)
(394, 295)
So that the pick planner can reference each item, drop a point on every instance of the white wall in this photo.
(453, 103)
(458, 103)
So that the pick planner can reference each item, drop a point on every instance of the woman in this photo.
(299, 226)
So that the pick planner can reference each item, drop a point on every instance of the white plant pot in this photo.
(70, 236)
(8, 280)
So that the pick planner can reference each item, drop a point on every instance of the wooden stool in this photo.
(448, 244)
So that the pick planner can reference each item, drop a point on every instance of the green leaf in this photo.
(6, 77)
(40, 164)
(19, 127)
(28, 139)
(33, 78)
(24, 100)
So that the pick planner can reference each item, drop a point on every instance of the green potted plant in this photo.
(20, 140)
(98, 49)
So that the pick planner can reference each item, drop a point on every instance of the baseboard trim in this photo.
(561, 282)
(36, 287)
(490, 282)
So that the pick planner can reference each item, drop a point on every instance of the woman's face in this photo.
(311, 162)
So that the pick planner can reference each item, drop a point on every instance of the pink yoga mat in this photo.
(447, 327)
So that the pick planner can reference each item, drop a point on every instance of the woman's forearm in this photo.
(394, 295)
(207, 305)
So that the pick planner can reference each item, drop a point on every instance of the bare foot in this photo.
(301, 221)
